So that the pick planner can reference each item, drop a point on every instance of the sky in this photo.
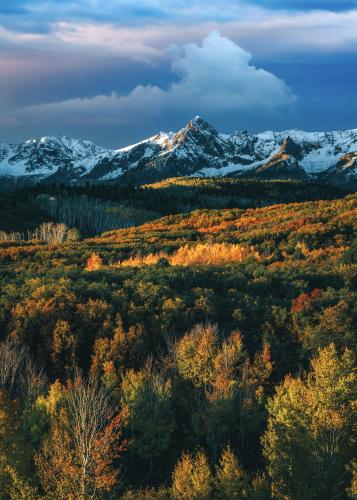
(116, 71)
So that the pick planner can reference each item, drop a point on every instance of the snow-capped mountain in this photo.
(196, 150)
(45, 157)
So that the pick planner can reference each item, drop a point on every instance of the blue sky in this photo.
(115, 71)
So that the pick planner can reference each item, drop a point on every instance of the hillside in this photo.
(305, 231)
(300, 234)
(97, 208)
(200, 326)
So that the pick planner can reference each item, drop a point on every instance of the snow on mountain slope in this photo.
(320, 150)
(197, 149)
(44, 156)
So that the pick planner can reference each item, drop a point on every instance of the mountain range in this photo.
(195, 150)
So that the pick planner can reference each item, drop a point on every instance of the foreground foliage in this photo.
(201, 355)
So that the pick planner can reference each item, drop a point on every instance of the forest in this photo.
(190, 339)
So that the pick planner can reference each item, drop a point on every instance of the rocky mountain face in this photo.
(49, 157)
(196, 150)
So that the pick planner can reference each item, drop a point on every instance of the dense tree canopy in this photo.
(204, 354)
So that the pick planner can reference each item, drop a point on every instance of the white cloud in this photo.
(294, 33)
(215, 76)
(103, 39)
(262, 31)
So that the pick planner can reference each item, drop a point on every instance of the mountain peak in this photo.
(39, 140)
(197, 119)
(291, 148)
(199, 123)
(197, 149)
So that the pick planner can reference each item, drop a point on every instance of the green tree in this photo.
(146, 400)
(195, 354)
(63, 354)
(309, 440)
(124, 349)
(15, 456)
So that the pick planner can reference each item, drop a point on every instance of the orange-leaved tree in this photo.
(77, 457)
(94, 262)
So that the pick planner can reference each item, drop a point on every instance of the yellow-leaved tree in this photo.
(192, 478)
(309, 444)
(231, 479)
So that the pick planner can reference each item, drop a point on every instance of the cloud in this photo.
(298, 33)
(260, 31)
(41, 16)
(306, 5)
(214, 77)
(107, 39)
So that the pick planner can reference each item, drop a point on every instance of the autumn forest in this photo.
(188, 339)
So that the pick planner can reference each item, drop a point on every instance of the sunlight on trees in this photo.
(309, 441)
(76, 459)
(192, 478)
